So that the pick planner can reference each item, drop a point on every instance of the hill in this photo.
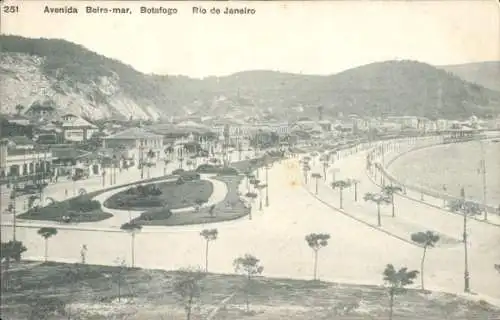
(77, 80)
(486, 74)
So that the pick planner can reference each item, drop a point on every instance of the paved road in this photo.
(356, 253)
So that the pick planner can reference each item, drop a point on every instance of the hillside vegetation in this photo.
(83, 82)
(486, 74)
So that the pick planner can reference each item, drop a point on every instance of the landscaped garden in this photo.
(172, 195)
(80, 291)
(78, 209)
(229, 209)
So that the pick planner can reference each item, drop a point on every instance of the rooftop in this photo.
(134, 133)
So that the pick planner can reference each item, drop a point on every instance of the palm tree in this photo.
(316, 176)
(46, 233)
(396, 282)
(426, 239)
(379, 199)
(317, 241)
(390, 191)
(355, 183)
(19, 109)
(132, 228)
(209, 235)
(341, 185)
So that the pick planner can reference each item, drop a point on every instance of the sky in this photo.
(300, 37)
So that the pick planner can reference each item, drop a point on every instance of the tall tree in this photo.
(341, 185)
(316, 176)
(46, 233)
(132, 229)
(396, 282)
(209, 235)
(390, 191)
(250, 266)
(379, 199)
(427, 239)
(316, 241)
(187, 287)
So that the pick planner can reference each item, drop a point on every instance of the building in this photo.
(40, 111)
(20, 157)
(76, 129)
(138, 143)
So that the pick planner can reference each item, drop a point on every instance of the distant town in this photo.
(39, 140)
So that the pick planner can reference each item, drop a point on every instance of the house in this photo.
(76, 129)
(39, 110)
(138, 142)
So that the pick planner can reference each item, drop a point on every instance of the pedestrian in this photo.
(66, 192)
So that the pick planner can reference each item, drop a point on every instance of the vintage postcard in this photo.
(260, 160)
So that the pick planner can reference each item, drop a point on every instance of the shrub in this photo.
(179, 181)
(190, 176)
(84, 204)
(228, 171)
(141, 202)
(208, 168)
(156, 214)
(178, 171)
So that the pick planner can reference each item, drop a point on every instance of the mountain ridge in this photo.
(485, 73)
(83, 82)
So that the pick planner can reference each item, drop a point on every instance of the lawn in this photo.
(229, 209)
(173, 196)
(91, 292)
(56, 210)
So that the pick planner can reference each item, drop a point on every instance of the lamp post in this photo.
(267, 166)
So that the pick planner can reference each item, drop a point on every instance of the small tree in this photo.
(316, 176)
(317, 241)
(199, 204)
(118, 276)
(379, 199)
(209, 235)
(396, 282)
(390, 191)
(46, 233)
(187, 287)
(132, 229)
(11, 250)
(426, 239)
(250, 266)
(341, 185)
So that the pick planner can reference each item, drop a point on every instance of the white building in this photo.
(76, 129)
